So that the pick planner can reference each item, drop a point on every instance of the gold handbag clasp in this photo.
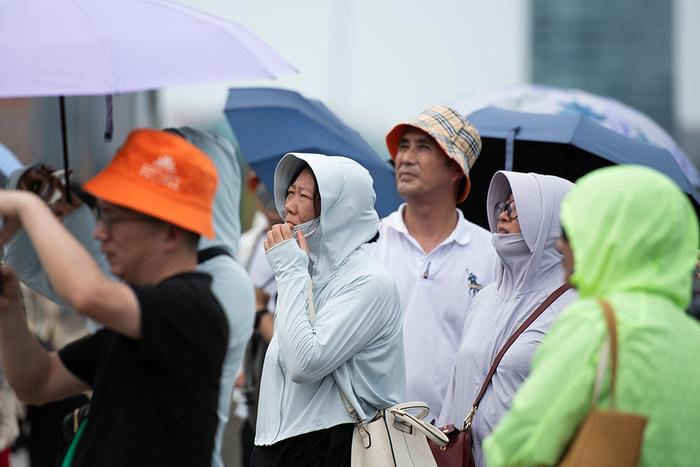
(468, 420)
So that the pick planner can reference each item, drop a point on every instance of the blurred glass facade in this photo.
(622, 49)
(31, 128)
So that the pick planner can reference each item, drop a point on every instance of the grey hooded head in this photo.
(226, 209)
(537, 199)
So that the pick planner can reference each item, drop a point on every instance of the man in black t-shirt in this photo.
(155, 366)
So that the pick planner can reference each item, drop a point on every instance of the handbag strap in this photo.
(398, 410)
(494, 366)
(612, 356)
(311, 310)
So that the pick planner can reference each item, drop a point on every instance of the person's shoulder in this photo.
(579, 316)
(195, 279)
(188, 289)
(222, 264)
(368, 269)
(393, 221)
(473, 239)
(475, 231)
(566, 299)
(487, 292)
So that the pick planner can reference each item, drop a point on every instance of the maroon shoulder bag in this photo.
(458, 452)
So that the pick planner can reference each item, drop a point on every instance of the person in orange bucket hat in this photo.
(154, 367)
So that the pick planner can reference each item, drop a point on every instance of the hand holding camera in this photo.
(48, 183)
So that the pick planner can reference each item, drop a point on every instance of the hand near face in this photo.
(282, 232)
(277, 234)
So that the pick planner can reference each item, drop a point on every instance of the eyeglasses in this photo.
(108, 220)
(508, 207)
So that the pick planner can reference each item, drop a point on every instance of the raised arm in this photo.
(21, 256)
(74, 274)
(37, 376)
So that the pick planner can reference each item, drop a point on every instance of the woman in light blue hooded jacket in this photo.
(349, 339)
(230, 282)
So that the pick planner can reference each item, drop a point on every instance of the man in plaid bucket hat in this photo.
(154, 368)
(438, 259)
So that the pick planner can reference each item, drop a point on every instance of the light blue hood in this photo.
(227, 221)
(348, 218)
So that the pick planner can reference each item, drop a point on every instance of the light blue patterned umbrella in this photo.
(610, 113)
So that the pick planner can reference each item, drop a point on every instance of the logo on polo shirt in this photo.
(473, 283)
(162, 171)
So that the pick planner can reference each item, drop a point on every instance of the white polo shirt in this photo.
(436, 290)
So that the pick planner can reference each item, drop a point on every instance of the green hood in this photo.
(620, 245)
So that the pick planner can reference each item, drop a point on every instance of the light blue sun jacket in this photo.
(355, 339)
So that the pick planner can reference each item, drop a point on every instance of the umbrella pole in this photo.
(64, 139)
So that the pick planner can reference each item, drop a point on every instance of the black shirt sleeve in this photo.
(82, 356)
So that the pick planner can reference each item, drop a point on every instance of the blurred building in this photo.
(31, 128)
(622, 49)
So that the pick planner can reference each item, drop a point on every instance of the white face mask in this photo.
(307, 228)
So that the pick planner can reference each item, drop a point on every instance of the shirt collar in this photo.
(461, 234)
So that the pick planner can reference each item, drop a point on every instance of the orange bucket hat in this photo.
(457, 138)
(162, 175)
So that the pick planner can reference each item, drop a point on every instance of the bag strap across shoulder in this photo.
(213, 251)
(609, 354)
(535, 314)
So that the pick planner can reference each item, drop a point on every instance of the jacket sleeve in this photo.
(21, 256)
(344, 325)
(551, 404)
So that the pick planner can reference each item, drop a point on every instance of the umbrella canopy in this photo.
(610, 113)
(567, 146)
(88, 47)
(268, 123)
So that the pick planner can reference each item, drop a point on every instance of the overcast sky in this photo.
(377, 62)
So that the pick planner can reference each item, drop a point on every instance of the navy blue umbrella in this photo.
(567, 146)
(269, 122)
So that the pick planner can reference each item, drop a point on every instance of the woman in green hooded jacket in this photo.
(632, 240)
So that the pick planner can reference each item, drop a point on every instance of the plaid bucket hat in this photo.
(458, 138)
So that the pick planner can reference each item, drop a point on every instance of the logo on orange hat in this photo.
(162, 171)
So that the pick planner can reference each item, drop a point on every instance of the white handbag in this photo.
(394, 438)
